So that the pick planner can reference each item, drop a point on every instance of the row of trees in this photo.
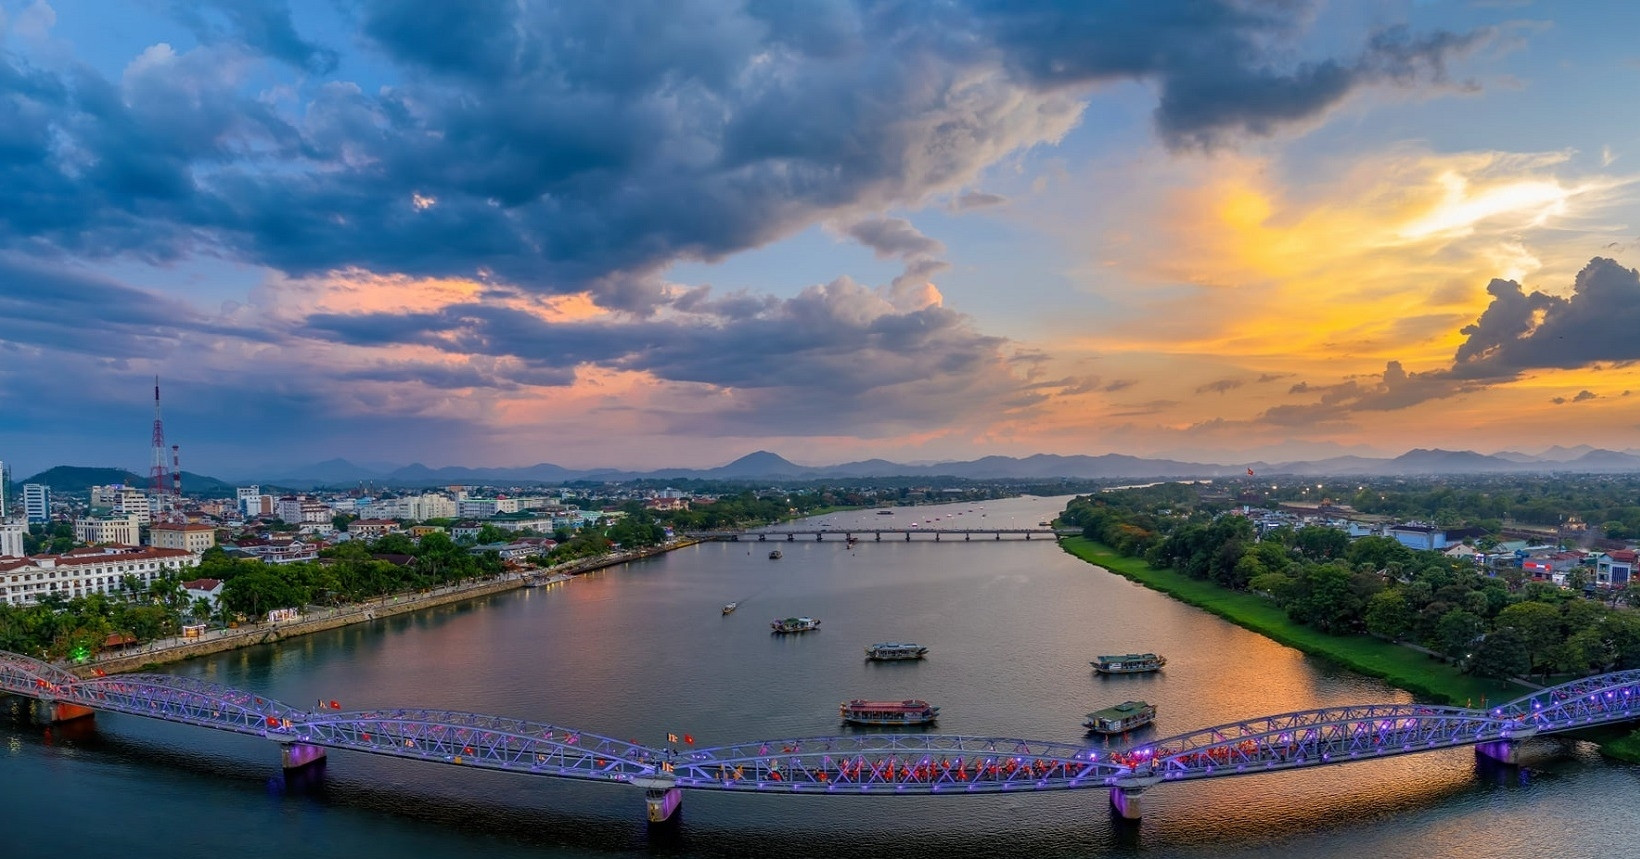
(1496, 626)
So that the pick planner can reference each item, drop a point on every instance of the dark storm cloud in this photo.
(1521, 331)
(842, 350)
(566, 146)
(261, 25)
(1214, 60)
(61, 310)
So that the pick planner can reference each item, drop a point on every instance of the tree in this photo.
(1539, 625)
(1456, 631)
(1389, 615)
(1501, 654)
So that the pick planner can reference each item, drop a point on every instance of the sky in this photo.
(667, 233)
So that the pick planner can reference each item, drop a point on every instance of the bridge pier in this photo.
(296, 756)
(791, 538)
(661, 796)
(1502, 751)
(936, 536)
(1124, 796)
(819, 537)
(879, 536)
(908, 536)
(999, 535)
(57, 712)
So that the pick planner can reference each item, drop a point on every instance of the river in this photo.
(640, 650)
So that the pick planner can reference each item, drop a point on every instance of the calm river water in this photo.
(640, 650)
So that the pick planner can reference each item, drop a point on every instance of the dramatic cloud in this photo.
(1520, 331)
(568, 147)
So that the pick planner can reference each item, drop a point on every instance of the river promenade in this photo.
(312, 620)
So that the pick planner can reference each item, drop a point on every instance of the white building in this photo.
(133, 502)
(249, 500)
(476, 508)
(36, 502)
(87, 571)
(123, 530)
(11, 540)
(299, 509)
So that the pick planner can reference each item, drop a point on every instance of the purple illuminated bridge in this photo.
(867, 764)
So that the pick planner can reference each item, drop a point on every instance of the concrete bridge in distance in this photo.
(876, 535)
(883, 765)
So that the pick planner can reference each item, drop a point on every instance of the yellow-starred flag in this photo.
(671, 737)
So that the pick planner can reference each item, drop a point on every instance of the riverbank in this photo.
(177, 649)
(1419, 673)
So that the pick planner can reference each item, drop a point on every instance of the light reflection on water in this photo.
(643, 649)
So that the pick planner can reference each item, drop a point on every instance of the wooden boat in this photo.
(729, 607)
(893, 713)
(890, 651)
(794, 624)
(1128, 663)
(1121, 718)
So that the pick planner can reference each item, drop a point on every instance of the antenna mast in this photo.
(156, 470)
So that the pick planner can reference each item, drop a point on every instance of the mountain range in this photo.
(763, 465)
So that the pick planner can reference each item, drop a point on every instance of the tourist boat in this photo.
(729, 607)
(892, 713)
(794, 624)
(539, 581)
(775, 555)
(1121, 718)
(890, 651)
(1128, 663)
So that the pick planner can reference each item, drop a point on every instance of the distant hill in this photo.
(78, 480)
(69, 479)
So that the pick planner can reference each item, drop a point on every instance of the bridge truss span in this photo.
(1312, 737)
(1589, 701)
(896, 764)
(477, 740)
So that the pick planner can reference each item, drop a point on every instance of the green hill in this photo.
(78, 480)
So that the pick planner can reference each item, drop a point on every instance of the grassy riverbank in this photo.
(1425, 676)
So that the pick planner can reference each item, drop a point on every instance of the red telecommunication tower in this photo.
(156, 471)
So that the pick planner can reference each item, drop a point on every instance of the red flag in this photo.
(1249, 472)
(335, 706)
(689, 738)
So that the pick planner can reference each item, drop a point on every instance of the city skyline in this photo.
(499, 234)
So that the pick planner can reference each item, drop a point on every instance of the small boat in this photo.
(1128, 663)
(1043, 524)
(729, 607)
(775, 555)
(894, 713)
(885, 512)
(891, 651)
(794, 624)
(1121, 718)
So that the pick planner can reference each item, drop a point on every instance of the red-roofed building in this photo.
(89, 571)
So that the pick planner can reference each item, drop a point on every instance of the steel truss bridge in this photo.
(877, 534)
(866, 764)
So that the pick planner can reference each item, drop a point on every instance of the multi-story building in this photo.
(190, 538)
(36, 502)
(11, 540)
(87, 571)
(371, 529)
(476, 508)
(300, 508)
(249, 500)
(122, 530)
(134, 502)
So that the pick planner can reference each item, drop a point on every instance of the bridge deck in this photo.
(857, 764)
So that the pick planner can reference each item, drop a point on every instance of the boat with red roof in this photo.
(893, 713)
